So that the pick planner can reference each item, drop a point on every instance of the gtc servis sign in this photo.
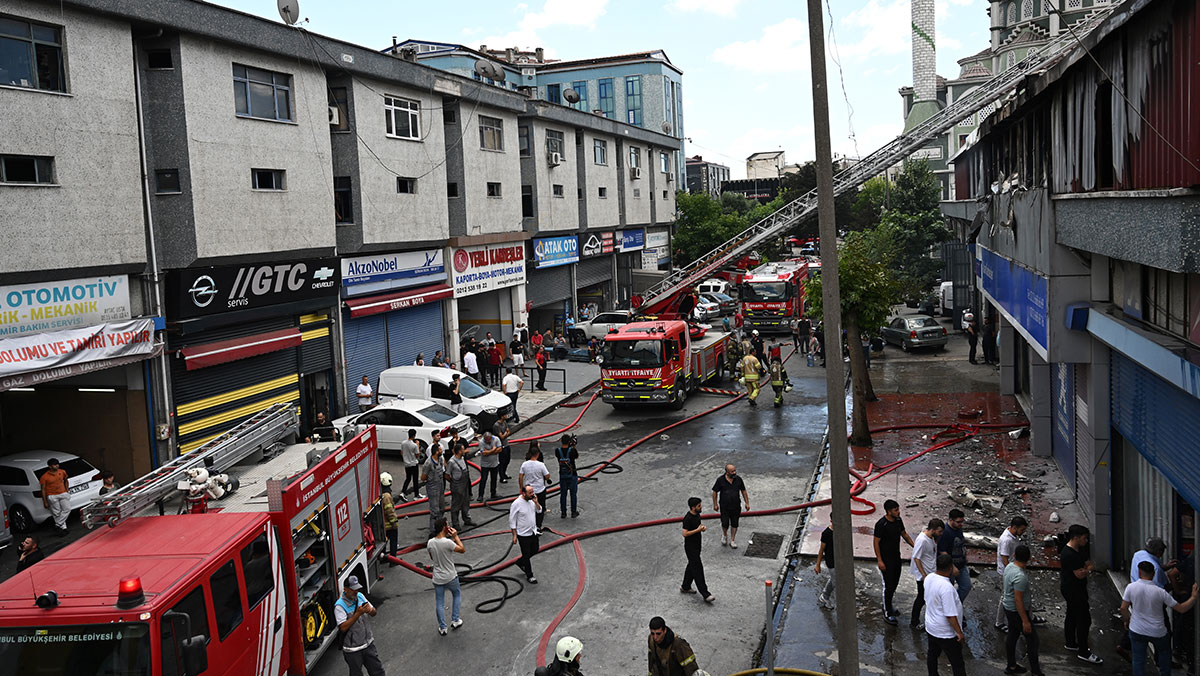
(206, 291)
(485, 268)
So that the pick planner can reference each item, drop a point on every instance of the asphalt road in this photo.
(631, 575)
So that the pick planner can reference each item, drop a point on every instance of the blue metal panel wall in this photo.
(1062, 438)
(366, 352)
(415, 330)
(1162, 421)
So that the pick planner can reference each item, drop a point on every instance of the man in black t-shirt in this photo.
(728, 492)
(888, 532)
(692, 528)
(825, 553)
(1073, 571)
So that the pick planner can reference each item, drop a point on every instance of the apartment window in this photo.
(526, 201)
(555, 142)
(580, 87)
(31, 55)
(633, 100)
(666, 195)
(493, 190)
(603, 193)
(406, 185)
(600, 151)
(262, 93)
(26, 169)
(635, 157)
(403, 117)
(1166, 300)
(606, 96)
(451, 190)
(491, 133)
(554, 93)
(557, 189)
(523, 141)
(665, 162)
(159, 59)
(339, 100)
(166, 182)
(268, 179)
(343, 202)
(637, 193)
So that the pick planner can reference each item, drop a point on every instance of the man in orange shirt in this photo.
(54, 494)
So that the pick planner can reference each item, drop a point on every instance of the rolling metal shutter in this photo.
(1085, 444)
(593, 271)
(316, 350)
(551, 285)
(366, 350)
(1062, 419)
(414, 331)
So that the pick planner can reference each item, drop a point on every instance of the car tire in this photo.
(20, 519)
(905, 346)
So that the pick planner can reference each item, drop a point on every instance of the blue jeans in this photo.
(963, 580)
(1162, 650)
(565, 484)
(439, 594)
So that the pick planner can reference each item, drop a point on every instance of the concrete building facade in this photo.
(705, 177)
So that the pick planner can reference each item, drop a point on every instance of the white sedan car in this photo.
(20, 475)
(395, 418)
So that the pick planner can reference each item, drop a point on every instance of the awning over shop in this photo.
(40, 377)
(361, 307)
(220, 352)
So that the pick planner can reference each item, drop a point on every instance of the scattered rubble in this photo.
(1054, 517)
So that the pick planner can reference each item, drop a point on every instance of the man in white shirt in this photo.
(924, 559)
(511, 386)
(943, 619)
(522, 521)
(366, 395)
(1142, 608)
(1009, 539)
(534, 474)
(471, 364)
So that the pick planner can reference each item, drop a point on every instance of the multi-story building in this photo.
(705, 177)
(770, 164)
(303, 222)
(1083, 226)
(643, 89)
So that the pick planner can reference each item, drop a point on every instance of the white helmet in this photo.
(568, 648)
(385, 478)
(755, 332)
(968, 316)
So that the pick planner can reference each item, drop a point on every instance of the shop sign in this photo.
(597, 243)
(657, 239)
(551, 251)
(478, 269)
(197, 292)
(632, 240)
(403, 265)
(649, 259)
(54, 349)
(1021, 294)
(68, 304)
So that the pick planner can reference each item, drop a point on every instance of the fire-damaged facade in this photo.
(1079, 200)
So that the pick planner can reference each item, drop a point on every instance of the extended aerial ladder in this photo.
(260, 431)
(663, 296)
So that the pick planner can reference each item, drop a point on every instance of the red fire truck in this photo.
(246, 588)
(772, 294)
(658, 362)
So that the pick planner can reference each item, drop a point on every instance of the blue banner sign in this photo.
(632, 240)
(551, 251)
(1022, 293)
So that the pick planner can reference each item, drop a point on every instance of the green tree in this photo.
(917, 226)
(869, 289)
(869, 204)
(702, 226)
(737, 203)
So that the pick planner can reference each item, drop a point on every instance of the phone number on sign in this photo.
(478, 281)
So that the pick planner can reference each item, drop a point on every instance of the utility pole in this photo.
(835, 373)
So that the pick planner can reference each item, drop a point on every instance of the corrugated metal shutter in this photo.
(593, 271)
(176, 341)
(1147, 505)
(366, 350)
(1085, 444)
(552, 285)
(1062, 420)
(316, 352)
(414, 331)
(1162, 421)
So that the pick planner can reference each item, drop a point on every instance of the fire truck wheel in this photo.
(677, 401)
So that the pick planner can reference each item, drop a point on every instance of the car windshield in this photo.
(632, 353)
(437, 413)
(75, 467)
(471, 389)
(764, 291)
(720, 297)
(120, 649)
(923, 323)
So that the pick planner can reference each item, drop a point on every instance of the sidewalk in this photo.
(533, 404)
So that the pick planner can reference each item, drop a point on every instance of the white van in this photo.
(715, 286)
(481, 404)
(946, 298)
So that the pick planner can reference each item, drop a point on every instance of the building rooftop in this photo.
(766, 155)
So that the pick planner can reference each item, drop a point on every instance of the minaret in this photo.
(924, 64)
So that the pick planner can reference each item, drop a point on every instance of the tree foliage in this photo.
(918, 227)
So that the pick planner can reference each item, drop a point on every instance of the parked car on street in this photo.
(726, 303)
(432, 383)
(706, 309)
(599, 326)
(394, 419)
(913, 331)
(20, 477)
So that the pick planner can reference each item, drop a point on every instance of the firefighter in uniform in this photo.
(669, 655)
(733, 357)
(779, 378)
(751, 367)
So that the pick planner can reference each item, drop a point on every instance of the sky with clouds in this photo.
(746, 85)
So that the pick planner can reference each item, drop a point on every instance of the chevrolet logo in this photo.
(323, 274)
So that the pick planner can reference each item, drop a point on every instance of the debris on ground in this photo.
(981, 541)
(1054, 517)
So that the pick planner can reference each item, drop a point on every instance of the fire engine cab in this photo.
(772, 294)
(244, 588)
(658, 362)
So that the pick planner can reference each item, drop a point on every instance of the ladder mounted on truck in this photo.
(659, 297)
(258, 432)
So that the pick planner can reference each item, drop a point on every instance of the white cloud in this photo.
(574, 13)
(722, 7)
(782, 48)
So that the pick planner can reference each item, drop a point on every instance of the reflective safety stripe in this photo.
(688, 661)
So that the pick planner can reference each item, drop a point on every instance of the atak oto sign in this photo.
(551, 251)
(484, 268)
(198, 292)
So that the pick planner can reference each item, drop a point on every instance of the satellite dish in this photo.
(666, 127)
(483, 68)
(498, 73)
(571, 95)
(289, 11)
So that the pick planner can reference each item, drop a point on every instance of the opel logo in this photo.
(203, 290)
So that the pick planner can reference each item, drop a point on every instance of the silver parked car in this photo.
(20, 474)
(914, 331)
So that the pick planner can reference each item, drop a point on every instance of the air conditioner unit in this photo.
(335, 116)
(555, 159)
(635, 173)
(670, 177)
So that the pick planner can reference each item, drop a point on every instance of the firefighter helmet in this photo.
(568, 648)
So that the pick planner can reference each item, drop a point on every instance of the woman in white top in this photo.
(535, 475)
